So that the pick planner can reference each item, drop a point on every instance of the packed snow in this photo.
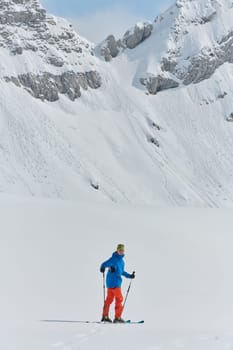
(50, 256)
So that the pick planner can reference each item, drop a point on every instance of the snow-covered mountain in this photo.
(142, 119)
(188, 43)
(43, 53)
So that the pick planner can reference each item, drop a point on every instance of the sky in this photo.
(96, 19)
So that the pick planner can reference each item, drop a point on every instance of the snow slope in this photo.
(60, 149)
(50, 254)
(118, 143)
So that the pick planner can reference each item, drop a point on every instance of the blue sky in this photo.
(96, 19)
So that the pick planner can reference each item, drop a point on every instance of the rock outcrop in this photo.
(202, 64)
(137, 35)
(230, 117)
(56, 60)
(158, 83)
(181, 62)
(27, 12)
(110, 48)
(47, 86)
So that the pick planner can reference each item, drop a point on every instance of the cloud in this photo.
(96, 27)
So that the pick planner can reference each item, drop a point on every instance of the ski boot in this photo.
(118, 320)
(106, 319)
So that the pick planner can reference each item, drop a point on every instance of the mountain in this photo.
(142, 119)
(43, 54)
(188, 43)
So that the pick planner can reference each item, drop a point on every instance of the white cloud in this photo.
(98, 26)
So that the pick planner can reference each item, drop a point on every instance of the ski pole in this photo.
(104, 288)
(127, 293)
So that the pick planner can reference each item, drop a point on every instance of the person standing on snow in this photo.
(116, 269)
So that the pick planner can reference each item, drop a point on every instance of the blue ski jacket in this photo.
(114, 279)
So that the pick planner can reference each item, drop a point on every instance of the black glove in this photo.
(112, 269)
(132, 275)
(102, 269)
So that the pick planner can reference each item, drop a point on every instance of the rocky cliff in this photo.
(42, 53)
(190, 41)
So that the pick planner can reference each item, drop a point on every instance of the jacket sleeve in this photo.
(107, 263)
(126, 274)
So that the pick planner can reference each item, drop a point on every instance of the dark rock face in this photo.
(56, 61)
(48, 86)
(168, 65)
(111, 47)
(136, 36)
(158, 83)
(230, 117)
(30, 13)
(208, 18)
(203, 65)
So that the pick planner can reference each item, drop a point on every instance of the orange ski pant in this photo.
(113, 293)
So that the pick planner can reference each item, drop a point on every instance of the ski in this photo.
(96, 322)
(71, 321)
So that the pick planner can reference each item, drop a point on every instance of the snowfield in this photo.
(50, 254)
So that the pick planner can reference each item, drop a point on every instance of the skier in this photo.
(115, 267)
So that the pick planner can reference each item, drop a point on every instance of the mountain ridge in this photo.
(185, 57)
(116, 131)
(62, 61)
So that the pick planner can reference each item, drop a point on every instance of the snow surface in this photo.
(97, 154)
(119, 187)
(50, 254)
(103, 140)
(59, 149)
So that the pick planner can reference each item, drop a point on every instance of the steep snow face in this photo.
(118, 142)
(43, 53)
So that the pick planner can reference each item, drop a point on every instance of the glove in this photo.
(102, 269)
(112, 269)
(132, 275)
